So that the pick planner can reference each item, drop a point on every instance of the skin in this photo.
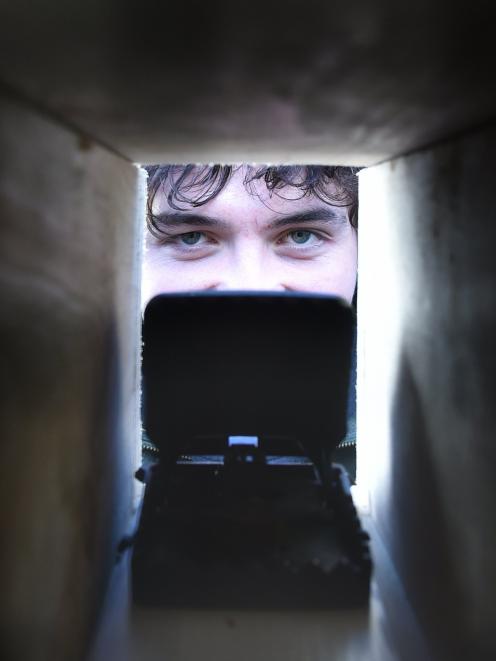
(256, 240)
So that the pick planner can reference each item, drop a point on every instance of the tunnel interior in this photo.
(90, 91)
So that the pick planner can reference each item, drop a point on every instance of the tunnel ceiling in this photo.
(266, 81)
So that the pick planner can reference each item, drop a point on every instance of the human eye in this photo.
(190, 238)
(185, 241)
(190, 245)
(301, 239)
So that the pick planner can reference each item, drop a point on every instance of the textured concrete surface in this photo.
(335, 82)
(69, 420)
(427, 382)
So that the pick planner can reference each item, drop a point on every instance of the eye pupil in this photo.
(190, 238)
(300, 236)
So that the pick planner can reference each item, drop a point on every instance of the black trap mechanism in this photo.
(245, 399)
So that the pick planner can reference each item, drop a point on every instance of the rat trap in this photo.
(244, 399)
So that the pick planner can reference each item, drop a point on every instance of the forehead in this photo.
(247, 199)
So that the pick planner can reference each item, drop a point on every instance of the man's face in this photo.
(251, 240)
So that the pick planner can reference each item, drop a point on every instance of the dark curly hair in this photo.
(196, 185)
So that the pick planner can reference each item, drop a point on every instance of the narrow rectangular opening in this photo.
(255, 228)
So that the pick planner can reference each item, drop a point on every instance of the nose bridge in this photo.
(249, 269)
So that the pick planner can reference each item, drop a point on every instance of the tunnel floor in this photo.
(385, 631)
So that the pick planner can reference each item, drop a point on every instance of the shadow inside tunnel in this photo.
(420, 543)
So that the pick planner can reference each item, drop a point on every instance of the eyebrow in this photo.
(325, 214)
(328, 214)
(172, 219)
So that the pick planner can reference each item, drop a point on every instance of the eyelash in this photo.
(175, 239)
(304, 246)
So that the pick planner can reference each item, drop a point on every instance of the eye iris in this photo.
(190, 238)
(301, 236)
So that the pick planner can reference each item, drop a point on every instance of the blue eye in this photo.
(301, 236)
(191, 238)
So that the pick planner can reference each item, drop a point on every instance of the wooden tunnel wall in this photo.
(322, 81)
(70, 253)
(427, 382)
(69, 330)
